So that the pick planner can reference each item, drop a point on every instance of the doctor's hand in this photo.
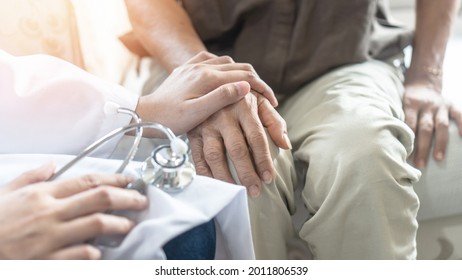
(238, 131)
(50, 220)
(428, 114)
(197, 89)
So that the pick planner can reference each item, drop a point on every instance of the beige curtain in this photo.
(84, 32)
(45, 26)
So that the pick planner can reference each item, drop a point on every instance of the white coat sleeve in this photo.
(48, 105)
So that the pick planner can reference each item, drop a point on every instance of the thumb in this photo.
(221, 97)
(33, 176)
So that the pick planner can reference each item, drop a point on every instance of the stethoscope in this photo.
(168, 167)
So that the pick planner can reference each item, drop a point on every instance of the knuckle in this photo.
(60, 211)
(238, 151)
(98, 223)
(196, 67)
(196, 150)
(261, 101)
(206, 75)
(90, 180)
(264, 163)
(204, 54)
(257, 137)
(31, 195)
(250, 102)
(426, 128)
(248, 178)
(202, 170)
(227, 90)
(214, 156)
(104, 197)
(120, 180)
(251, 75)
(197, 156)
(248, 67)
(228, 59)
(181, 69)
(443, 124)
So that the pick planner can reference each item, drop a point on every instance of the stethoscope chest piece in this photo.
(167, 171)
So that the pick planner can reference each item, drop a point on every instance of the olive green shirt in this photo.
(291, 42)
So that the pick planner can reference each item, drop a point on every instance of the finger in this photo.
(218, 60)
(37, 175)
(102, 199)
(200, 57)
(197, 152)
(410, 117)
(424, 139)
(456, 115)
(78, 252)
(89, 227)
(219, 98)
(441, 133)
(236, 67)
(238, 151)
(215, 156)
(252, 78)
(68, 187)
(258, 142)
(274, 123)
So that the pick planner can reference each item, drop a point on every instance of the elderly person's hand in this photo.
(428, 114)
(51, 220)
(239, 131)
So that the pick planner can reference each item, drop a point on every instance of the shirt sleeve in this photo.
(48, 105)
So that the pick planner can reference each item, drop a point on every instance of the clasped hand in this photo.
(238, 131)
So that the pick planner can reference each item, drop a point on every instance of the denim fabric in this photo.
(198, 243)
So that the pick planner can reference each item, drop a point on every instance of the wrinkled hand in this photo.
(239, 131)
(199, 88)
(427, 114)
(50, 220)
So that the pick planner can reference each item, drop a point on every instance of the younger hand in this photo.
(51, 220)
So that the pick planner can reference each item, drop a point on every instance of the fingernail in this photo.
(254, 191)
(286, 138)
(439, 156)
(267, 177)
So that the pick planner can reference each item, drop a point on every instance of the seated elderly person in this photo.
(353, 115)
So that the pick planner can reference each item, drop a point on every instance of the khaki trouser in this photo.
(350, 147)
